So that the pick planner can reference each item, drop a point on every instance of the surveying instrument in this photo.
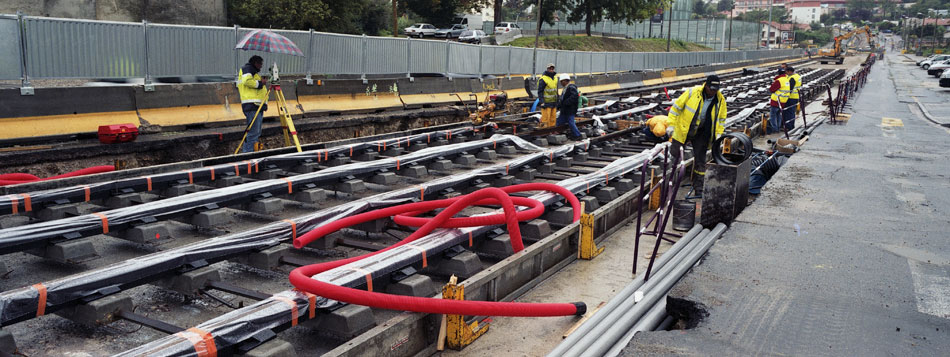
(286, 122)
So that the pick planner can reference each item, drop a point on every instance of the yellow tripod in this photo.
(285, 120)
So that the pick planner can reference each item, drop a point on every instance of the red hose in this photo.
(404, 214)
(18, 178)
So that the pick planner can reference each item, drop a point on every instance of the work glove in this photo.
(264, 109)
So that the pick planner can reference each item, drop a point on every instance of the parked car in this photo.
(945, 79)
(454, 32)
(472, 36)
(507, 27)
(420, 30)
(937, 68)
(925, 64)
(925, 59)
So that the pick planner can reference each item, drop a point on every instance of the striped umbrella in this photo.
(267, 41)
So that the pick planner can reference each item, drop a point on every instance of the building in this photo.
(776, 34)
(804, 12)
(743, 6)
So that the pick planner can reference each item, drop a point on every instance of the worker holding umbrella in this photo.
(255, 91)
(251, 87)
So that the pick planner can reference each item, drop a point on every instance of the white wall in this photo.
(805, 15)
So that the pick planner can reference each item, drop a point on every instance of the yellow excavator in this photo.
(835, 54)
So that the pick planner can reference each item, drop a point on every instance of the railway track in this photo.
(130, 264)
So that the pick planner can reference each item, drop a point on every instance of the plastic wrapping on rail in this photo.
(15, 203)
(240, 325)
(34, 235)
(635, 110)
(21, 304)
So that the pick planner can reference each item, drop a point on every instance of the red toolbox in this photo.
(118, 133)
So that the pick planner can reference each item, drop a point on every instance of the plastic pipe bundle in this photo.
(606, 328)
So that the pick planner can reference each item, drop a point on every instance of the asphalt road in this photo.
(846, 250)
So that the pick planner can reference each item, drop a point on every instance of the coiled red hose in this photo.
(404, 214)
(18, 178)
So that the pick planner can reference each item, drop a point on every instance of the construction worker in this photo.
(698, 116)
(780, 91)
(791, 106)
(251, 88)
(567, 106)
(547, 92)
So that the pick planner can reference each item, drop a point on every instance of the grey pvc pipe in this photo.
(649, 322)
(615, 331)
(631, 305)
(667, 322)
(622, 295)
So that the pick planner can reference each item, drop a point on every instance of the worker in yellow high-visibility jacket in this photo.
(547, 93)
(780, 89)
(251, 87)
(698, 116)
(791, 106)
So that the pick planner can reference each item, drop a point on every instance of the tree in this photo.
(778, 15)
(628, 11)
(724, 5)
(699, 8)
(861, 9)
(280, 14)
(371, 17)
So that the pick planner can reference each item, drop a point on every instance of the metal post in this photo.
(409, 59)
(448, 53)
(731, 10)
(25, 87)
(509, 63)
(480, 61)
(768, 34)
(363, 61)
(309, 59)
(236, 39)
(669, 28)
(148, 87)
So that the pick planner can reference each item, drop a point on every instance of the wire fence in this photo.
(42, 47)
(715, 33)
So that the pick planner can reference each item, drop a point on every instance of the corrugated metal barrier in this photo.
(41, 47)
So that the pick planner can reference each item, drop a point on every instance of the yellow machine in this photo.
(836, 54)
(290, 132)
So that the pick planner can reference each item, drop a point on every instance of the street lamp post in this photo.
(730, 24)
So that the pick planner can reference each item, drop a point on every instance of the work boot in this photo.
(698, 185)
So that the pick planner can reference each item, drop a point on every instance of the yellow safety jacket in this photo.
(251, 87)
(550, 89)
(781, 95)
(688, 105)
(798, 84)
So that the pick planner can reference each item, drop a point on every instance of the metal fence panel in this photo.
(336, 54)
(385, 55)
(175, 50)
(63, 48)
(427, 56)
(463, 58)
(9, 48)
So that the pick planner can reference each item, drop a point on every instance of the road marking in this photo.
(932, 287)
(891, 122)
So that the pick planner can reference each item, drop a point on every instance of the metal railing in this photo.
(42, 47)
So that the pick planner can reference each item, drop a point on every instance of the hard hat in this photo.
(564, 77)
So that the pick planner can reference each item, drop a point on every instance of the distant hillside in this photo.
(608, 44)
